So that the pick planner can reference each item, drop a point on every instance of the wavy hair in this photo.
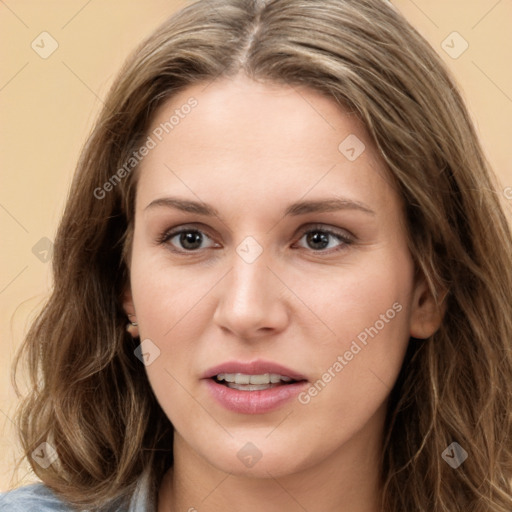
(89, 396)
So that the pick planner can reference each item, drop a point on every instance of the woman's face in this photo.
(269, 240)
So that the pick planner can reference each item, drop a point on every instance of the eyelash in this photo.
(166, 236)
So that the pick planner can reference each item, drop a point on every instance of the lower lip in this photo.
(254, 402)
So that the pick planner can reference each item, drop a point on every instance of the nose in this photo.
(251, 303)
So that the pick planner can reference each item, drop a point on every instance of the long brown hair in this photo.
(90, 398)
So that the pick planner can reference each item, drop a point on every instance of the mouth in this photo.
(256, 387)
(259, 382)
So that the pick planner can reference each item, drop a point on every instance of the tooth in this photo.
(249, 387)
(260, 379)
(242, 378)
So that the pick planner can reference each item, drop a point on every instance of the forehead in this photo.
(259, 140)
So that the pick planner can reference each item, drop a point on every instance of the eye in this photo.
(185, 239)
(319, 238)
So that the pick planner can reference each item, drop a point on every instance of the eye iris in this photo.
(317, 237)
(188, 238)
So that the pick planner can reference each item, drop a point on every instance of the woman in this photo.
(276, 280)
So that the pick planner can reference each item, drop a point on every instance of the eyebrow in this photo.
(294, 209)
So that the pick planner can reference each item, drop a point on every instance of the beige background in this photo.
(48, 105)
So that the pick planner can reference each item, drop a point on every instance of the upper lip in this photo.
(258, 367)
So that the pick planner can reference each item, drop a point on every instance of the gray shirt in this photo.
(39, 498)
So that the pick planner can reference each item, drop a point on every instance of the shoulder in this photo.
(40, 498)
(31, 498)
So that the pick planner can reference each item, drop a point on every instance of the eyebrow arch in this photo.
(294, 209)
(326, 205)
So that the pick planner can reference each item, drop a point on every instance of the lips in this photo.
(270, 386)
(257, 387)
(258, 367)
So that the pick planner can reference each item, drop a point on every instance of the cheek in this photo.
(167, 308)
(172, 308)
(367, 311)
(165, 294)
(357, 370)
(352, 299)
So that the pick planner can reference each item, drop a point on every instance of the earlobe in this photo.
(426, 314)
(132, 326)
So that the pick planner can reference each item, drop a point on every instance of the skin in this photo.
(250, 149)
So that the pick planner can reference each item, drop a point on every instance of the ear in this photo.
(129, 309)
(426, 315)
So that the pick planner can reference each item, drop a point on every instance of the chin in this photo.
(260, 458)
